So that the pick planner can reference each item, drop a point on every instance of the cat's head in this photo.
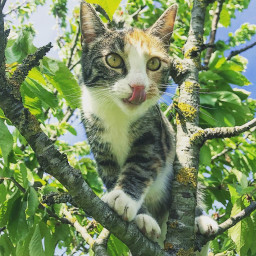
(128, 67)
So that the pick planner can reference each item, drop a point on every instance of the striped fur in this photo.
(133, 144)
(132, 141)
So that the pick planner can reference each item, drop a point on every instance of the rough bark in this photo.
(181, 236)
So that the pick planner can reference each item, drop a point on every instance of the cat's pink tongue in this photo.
(138, 95)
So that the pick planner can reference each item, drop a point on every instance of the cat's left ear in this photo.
(163, 27)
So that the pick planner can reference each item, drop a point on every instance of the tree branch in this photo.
(57, 165)
(234, 53)
(221, 132)
(100, 244)
(16, 8)
(180, 233)
(226, 150)
(74, 46)
(57, 198)
(232, 221)
(28, 63)
(78, 227)
(215, 22)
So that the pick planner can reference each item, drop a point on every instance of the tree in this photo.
(49, 188)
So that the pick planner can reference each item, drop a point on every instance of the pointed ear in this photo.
(91, 24)
(163, 27)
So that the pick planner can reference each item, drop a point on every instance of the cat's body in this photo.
(124, 73)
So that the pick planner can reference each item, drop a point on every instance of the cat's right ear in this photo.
(91, 24)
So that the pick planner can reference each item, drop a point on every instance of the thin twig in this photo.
(17, 184)
(74, 46)
(234, 53)
(16, 8)
(215, 22)
(72, 67)
(82, 230)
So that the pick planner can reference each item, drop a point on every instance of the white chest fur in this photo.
(116, 122)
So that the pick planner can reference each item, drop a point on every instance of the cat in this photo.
(124, 74)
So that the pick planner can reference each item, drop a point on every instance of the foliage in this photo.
(51, 92)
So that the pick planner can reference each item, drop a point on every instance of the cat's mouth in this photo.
(137, 97)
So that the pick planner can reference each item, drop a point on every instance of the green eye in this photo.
(114, 60)
(154, 64)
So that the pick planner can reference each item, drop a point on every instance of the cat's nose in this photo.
(138, 94)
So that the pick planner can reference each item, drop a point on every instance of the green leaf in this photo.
(234, 77)
(2, 114)
(6, 141)
(241, 178)
(39, 91)
(33, 103)
(17, 224)
(6, 246)
(20, 47)
(205, 155)
(225, 17)
(241, 233)
(228, 97)
(116, 247)
(35, 245)
(32, 203)
(64, 81)
(208, 99)
(109, 6)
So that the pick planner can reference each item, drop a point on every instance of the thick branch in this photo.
(57, 165)
(221, 132)
(180, 234)
(215, 21)
(234, 53)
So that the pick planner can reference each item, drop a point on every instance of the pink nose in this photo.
(138, 94)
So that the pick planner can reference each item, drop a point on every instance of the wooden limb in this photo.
(82, 230)
(73, 47)
(226, 150)
(234, 53)
(215, 22)
(100, 244)
(28, 63)
(229, 223)
(221, 132)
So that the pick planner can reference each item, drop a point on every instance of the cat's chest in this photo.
(116, 127)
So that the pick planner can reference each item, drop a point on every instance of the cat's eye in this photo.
(114, 60)
(154, 64)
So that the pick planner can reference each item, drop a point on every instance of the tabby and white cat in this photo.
(133, 143)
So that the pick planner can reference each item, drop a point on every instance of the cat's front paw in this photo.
(148, 226)
(206, 225)
(123, 204)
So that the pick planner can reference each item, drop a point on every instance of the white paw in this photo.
(148, 226)
(206, 225)
(123, 204)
